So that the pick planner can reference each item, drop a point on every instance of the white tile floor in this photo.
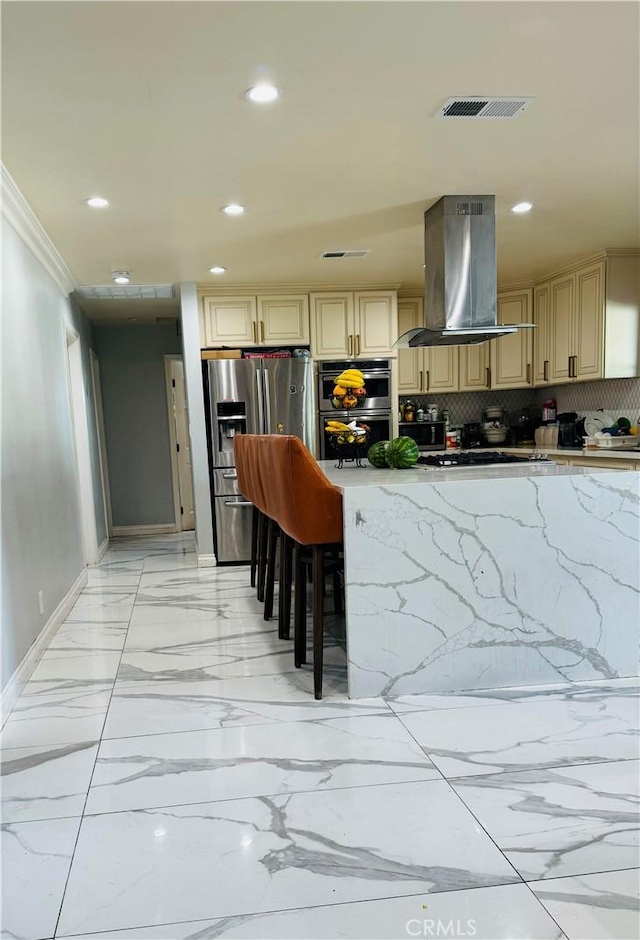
(167, 774)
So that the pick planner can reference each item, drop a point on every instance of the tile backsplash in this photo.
(621, 396)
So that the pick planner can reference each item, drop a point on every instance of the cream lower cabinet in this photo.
(427, 369)
(266, 320)
(360, 324)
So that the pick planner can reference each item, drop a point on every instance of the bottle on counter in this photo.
(549, 410)
(420, 413)
(445, 417)
(409, 410)
(432, 412)
(401, 411)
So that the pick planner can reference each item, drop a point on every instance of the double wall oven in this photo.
(376, 410)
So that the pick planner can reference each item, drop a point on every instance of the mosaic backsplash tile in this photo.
(621, 396)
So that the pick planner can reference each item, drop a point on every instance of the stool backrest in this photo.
(241, 457)
(298, 495)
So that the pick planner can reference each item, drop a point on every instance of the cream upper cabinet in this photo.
(541, 335)
(266, 320)
(588, 340)
(410, 361)
(229, 321)
(475, 367)
(353, 325)
(511, 355)
(561, 314)
(283, 320)
(441, 369)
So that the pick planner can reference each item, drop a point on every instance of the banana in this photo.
(337, 426)
(354, 373)
(351, 379)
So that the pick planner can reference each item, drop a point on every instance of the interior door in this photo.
(183, 445)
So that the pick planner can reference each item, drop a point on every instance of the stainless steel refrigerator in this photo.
(250, 396)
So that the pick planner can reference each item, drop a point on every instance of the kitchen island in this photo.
(489, 577)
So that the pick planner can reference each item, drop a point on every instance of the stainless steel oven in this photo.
(378, 422)
(377, 381)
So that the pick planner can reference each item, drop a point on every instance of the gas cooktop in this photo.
(476, 459)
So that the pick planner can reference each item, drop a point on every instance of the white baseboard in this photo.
(32, 657)
(168, 528)
(207, 561)
(103, 550)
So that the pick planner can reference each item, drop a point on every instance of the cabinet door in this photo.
(475, 370)
(376, 323)
(410, 361)
(229, 321)
(441, 365)
(511, 355)
(589, 322)
(561, 314)
(284, 320)
(603, 463)
(332, 318)
(541, 335)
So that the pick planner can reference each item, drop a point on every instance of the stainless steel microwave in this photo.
(428, 435)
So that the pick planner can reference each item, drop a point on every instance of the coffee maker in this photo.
(472, 435)
(569, 429)
(522, 425)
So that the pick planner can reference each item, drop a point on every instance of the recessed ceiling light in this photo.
(233, 209)
(521, 207)
(96, 202)
(133, 319)
(217, 269)
(263, 93)
(121, 277)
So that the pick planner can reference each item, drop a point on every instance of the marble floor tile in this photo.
(272, 853)
(605, 906)
(170, 769)
(593, 691)
(81, 639)
(159, 610)
(45, 782)
(170, 562)
(503, 912)
(103, 607)
(107, 577)
(119, 563)
(62, 674)
(204, 635)
(68, 717)
(35, 863)
(139, 708)
(205, 582)
(492, 738)
(566, 821)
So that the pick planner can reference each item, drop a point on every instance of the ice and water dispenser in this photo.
(232, 420)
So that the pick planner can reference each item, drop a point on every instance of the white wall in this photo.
(40, 523)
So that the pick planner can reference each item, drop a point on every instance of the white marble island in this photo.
(489, 577)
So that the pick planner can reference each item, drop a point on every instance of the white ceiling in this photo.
(143, 103)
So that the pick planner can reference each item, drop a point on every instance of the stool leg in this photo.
(284, 597)
(318, 619)
(338, 605)
(262, 558)
(270, 579)
(300, 609)
(254, 544)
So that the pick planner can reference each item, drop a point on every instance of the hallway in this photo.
(167, 774)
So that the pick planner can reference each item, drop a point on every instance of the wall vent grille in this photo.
(355, 253)
(472, 107)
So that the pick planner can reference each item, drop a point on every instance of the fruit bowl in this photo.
(349, 445)
(352, 398)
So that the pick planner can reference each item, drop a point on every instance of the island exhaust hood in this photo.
(460, 275)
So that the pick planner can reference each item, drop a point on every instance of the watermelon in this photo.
(376, 452)
(402, 453)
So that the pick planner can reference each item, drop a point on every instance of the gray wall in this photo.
(41, 533)
(136, 422)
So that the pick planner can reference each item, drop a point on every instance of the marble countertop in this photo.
(350, 477)
(568, 451)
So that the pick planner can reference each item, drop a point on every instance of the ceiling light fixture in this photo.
(133, 319)
(121, 277)
(233, 209)
(96, 202)
(521, 207)
(263, 93)
(216, 269)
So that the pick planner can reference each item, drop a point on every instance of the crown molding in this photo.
(292, 287)
(23, 219)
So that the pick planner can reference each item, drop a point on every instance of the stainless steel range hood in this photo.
(460, 275)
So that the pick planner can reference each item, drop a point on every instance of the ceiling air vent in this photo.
(472, 107)
(355, 253)
(127, 292)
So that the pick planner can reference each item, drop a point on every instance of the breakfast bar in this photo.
(488, 577)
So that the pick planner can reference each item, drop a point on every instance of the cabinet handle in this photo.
(528, 373)
(254, 330)
(421, 382)
(262, 330)
(570, 369)
(575, 367)
(427, 381)
(350, 345)
(545, 371)
(488, 377)
(358, 345)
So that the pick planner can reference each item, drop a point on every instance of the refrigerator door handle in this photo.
(233, 503)
(267, 403)
(231, 475)
(260, 399)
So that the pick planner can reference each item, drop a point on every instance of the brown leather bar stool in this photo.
(241, 445)
(308, 509)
